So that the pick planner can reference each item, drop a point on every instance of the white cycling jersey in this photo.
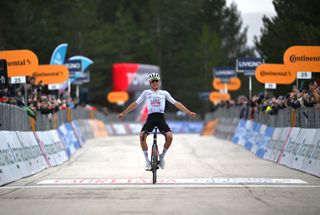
(156, 100)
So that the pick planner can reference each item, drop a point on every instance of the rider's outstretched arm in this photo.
(181, 107)
(132, 106)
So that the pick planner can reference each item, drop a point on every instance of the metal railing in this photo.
(287, 117)
(13, 118)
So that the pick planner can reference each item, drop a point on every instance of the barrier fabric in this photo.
(67, 139)
(77, 131)
(287, 156)
(248, 130)
(239, 132)
(253, 137)
(30, 153)
(311, 163)
(277, 143)
(307, 142)
(9, 170)
(262, 140)
(42, 135)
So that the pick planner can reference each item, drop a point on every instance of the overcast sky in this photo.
(252, 12)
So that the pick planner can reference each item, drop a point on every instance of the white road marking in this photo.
(156, 186)
(241, 181)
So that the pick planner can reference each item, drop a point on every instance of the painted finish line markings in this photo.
(200, 181)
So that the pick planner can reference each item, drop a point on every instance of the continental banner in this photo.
(276, 73)
(20, 62)
(303, 58)
(51, 74)
(233, 84)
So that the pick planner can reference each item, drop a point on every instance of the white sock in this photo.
(145, 152)
(163, 153)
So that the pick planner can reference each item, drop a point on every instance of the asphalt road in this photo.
(203, 175)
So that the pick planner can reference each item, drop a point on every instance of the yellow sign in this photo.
(51, 74)
(233, 84)
(20, 62)
(117, 96)
(303, 58)
(276, 73)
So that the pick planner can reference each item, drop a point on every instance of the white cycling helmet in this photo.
(154, 76)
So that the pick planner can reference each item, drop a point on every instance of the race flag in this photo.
(59, 54)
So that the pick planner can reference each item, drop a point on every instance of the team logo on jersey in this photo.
(155, 101)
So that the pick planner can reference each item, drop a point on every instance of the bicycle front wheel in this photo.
(154, 164)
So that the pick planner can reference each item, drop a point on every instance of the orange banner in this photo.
(303, 58)
(275, 73)
(20, 62)
(51, 74)
(117, 96)
(233, 84)
(216, 96)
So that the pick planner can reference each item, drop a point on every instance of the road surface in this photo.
(203, 175)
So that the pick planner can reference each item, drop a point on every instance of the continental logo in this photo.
(20, 62)
(51, 74)
(276, 73)
(40, 74)
(233, 84)
(304, 58)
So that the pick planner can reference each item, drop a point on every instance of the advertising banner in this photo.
(276, 73)
(74, 67)
(232, 85)
(287, 156)
(51, 74)
(248, 65)
(307, 140)
(20, 62)
(303, 58)
(132, 77)
(59, 54)
(224, 73)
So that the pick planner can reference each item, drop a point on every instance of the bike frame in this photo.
(154, 156)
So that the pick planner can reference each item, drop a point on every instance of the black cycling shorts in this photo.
(156, 119)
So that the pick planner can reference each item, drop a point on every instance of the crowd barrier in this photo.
(294, 147)
(42, 143)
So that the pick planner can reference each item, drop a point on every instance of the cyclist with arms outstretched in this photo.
(156, 99)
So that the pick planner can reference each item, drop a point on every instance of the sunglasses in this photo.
(154, 81)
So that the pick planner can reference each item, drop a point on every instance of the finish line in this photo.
(195, 181)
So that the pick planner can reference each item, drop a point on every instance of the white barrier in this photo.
(9, 170)
(19, 155)
(306, 142)
(27, 151)
(47, 146)
(57, 146)
(287, 156)
(277, 144)
(311, 163)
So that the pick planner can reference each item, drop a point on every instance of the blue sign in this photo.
(75, 67)
(248, 64)
(224, 73)
(59, 54)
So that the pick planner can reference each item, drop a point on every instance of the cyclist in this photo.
(156, 99)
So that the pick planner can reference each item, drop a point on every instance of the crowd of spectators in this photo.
(36, 98)
(263, 103)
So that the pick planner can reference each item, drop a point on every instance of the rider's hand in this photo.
(192, 114)
(120, 115)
